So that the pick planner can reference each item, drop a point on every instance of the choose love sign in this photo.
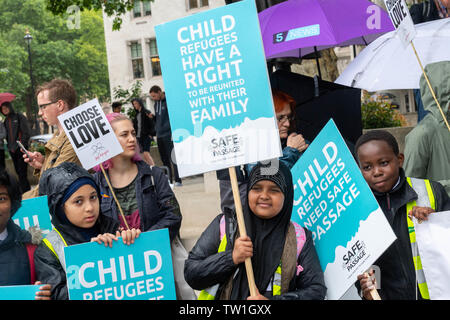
(334, 202)
(217, 88)
(140, 271)
(90, 134)
(401, 19)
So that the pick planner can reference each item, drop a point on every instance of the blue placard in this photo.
(34, 212)
(140, 271)
(217, 88)
(334, 202)
(19, 292)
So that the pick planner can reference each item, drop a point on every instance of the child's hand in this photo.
(128, 236)
(105, 238)
(243, 249)
(367, 284)
(420, 213)
(44, 292)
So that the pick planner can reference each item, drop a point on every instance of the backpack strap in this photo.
(300, 235)
(31, 248)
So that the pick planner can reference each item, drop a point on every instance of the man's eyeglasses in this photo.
(43, 106)
(283, 118)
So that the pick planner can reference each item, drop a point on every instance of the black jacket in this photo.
(157, 204)
(147, 124)
(205, 267)
(398, 278)
(424, 12)
(14, 261)
(53, 183)
(17, 128)
(162, 123)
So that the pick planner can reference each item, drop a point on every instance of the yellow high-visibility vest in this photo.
(425, 199)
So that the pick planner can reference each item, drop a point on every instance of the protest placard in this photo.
(19, 292)
(140, 271)
(34, 212)
(401, 19)
(433, 237)
(334, 202)
(217, 87)
(90, 134)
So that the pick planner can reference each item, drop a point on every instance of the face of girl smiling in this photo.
(82, 208)
(265, 199)
(126, 135)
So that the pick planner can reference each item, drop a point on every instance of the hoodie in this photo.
(53, 183)
(427, 148)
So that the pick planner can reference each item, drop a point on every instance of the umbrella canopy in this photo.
(296, 28)
(6, 97)
(385, 64)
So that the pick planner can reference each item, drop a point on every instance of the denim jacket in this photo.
(158, 207)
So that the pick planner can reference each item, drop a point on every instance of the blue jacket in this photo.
(158, 207)
(14, 262)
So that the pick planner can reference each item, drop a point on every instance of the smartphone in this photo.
(23, 148)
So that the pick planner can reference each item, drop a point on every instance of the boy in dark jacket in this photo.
(16, 258)
(381, 165)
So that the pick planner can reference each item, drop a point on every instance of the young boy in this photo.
(16, 245)
(381, 165)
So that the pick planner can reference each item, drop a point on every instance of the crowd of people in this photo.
(137, 197)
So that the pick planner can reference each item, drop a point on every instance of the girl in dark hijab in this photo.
(284, 259)
(74, 207)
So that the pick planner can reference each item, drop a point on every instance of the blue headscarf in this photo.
(87, 233)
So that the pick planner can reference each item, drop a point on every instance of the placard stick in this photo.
(242, 230)
(429, 86)
(114, 196)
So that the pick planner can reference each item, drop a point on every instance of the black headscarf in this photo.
(267, 235)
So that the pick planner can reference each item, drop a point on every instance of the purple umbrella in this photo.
(295, 28)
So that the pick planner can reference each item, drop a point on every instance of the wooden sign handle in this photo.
(430, 87)
(242, 230)
(114, 196)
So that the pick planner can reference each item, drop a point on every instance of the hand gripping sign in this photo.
(140, 271)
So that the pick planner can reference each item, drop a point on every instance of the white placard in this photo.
(90, 134)
(433, 239)
(401, 19)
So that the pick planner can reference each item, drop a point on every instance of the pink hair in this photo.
(115, 117)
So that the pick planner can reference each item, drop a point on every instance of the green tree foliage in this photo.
(61, 47)
(114, 8)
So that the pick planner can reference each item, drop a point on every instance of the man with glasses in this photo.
(54, 98)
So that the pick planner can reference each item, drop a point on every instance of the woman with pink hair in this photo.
(143, 192)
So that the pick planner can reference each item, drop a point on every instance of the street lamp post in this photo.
(28, 39)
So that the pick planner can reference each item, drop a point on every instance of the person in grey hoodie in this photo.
(427, 147)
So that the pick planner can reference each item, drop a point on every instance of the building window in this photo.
(141, 9)
(136, 60)
(146, 8)
(197, 3)
(154, 58)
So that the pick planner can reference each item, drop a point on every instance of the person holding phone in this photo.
(53, 98)
(17, 130)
